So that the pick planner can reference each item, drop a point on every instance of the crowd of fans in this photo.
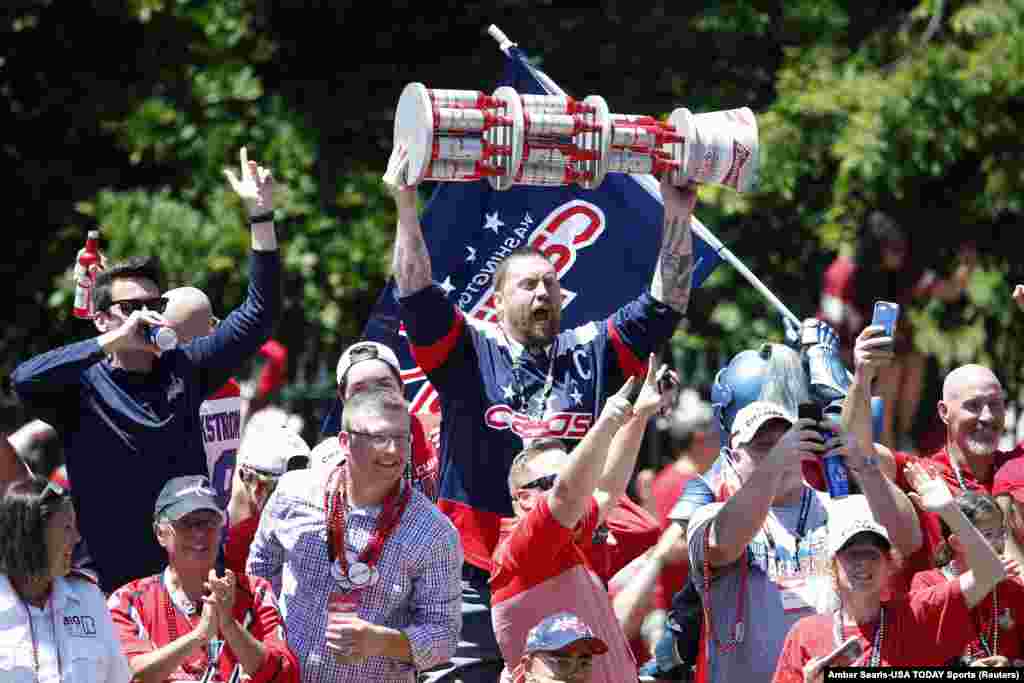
(194, 535)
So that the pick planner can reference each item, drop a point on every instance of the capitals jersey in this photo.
(220, 417)
(494, 394)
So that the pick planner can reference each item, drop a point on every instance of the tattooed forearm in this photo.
(674, 272)
(411, 261)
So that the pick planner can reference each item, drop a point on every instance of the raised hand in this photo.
(802, 441)
(395, 177)
(656, 391)
(255, 185)
(129, 335)
(872, 351)
(932, 494)
(221, 596)
(618, 408)
(1018, 296)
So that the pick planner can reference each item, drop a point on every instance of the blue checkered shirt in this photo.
(419, 592)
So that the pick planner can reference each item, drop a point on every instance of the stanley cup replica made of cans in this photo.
(512, 139)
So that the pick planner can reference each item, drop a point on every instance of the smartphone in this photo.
(886, 314)
(844, 655)
(809, 411)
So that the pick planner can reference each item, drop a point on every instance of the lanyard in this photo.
(35, 645)
(801, 529)
(541, 399)
(336, 514)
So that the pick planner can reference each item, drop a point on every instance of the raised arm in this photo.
(245, 329)
(744, 513)
(626, 443)
(986, 568)
(574, 489)
(871, 352)
(411, 261)
(674, 271)
(889, 505)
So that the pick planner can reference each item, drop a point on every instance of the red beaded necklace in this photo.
(336, 517)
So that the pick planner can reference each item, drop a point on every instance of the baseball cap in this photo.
(183, 495)
(848, 517)
(1009, 480)
(750, 418)
(560, 630)
(272, 449)
(366, 350)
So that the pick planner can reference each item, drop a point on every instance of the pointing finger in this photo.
(243, 157)
(626, 389)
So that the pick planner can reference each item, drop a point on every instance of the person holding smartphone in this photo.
(924, 628)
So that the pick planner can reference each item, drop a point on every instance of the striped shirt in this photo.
(419, 591)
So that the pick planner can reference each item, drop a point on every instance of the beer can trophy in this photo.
(512, 139)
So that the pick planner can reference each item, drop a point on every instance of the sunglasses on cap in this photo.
(545, 483)
(129, 306)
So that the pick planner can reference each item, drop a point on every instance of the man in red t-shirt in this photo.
(559, 500)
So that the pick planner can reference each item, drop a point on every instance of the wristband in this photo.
(265, 217)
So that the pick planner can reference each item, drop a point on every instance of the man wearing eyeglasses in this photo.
(560, 649)
(366, 567)
(123, 409)
(540, 566)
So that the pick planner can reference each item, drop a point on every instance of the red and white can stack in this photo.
(512, 139)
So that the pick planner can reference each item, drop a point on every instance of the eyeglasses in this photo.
(382, 441)
(566, 665)
(129, 306)
(545, 483)
(198, 524)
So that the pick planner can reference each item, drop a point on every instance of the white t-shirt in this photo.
(75, 623)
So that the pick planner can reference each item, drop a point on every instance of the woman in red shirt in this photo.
(890, 632)
(996, 636)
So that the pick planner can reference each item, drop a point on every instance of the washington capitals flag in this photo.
(604, 243)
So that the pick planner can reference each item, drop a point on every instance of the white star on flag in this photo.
(472, 254)
(493, 222)
(577, 397)
(508, 392)
(447, 285)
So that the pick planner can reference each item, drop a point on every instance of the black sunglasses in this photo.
(129, 306)
(545, 483)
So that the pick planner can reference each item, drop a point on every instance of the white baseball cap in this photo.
(750, 418)
(367, 350)
(848, 517)
(272, 450)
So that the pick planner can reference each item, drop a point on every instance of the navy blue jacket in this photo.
(126, 433)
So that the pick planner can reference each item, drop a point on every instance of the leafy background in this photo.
(123, 114)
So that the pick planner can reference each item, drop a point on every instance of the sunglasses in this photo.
(129, 306)
(545, 483)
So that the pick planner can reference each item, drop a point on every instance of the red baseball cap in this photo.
(1009, 479)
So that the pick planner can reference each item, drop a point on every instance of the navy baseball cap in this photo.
(561, 630)
(183, 495)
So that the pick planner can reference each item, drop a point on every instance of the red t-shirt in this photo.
(140, 612)
(931, 528)
(1007, 610)
(631, 531)
(539, 569)
(926, 628)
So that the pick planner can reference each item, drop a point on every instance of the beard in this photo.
(981, 444)
(533, 332)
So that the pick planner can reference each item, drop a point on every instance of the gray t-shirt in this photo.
(782, 586)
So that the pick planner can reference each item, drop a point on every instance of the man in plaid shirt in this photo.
(367, 569)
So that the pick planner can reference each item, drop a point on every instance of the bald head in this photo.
(966, 377)
(973, 406)
(189, 312)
